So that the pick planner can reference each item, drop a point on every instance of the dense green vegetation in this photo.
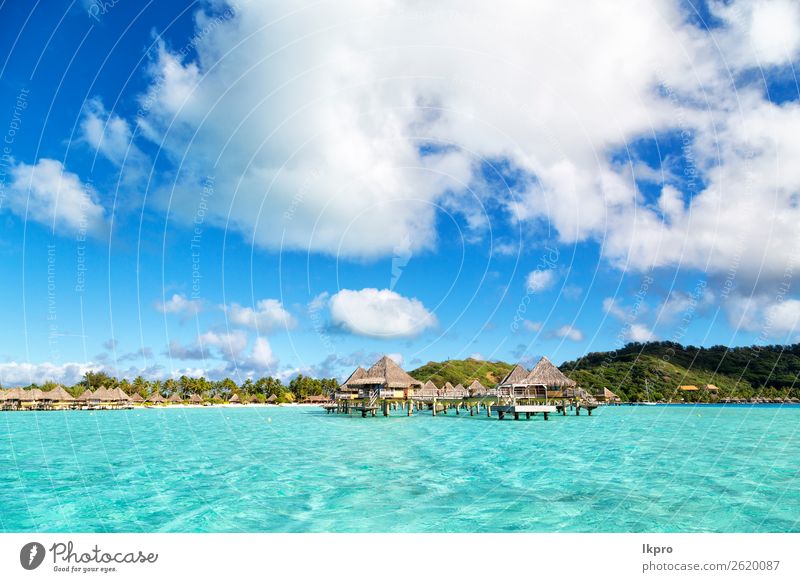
(462, 372)
(765, 371)
(746, 372)
(256, 390)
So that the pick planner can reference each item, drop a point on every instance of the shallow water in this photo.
(275, 469)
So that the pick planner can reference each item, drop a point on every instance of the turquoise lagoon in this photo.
(296, 469)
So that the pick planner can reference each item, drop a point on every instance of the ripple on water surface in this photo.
(676, 468)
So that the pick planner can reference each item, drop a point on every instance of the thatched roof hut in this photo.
(428, 390)
(348, 385)
(195, 399)
(386, 373)
(545, 373)
(477, 389)
(711, 388)
(315, 399)
(457, 391)
(102, 394)
(14, 394)
(175, 398)
(606, 395)
(117, 395)
(155, 397)
(86, 396)
(515, 376)
(385, 377)
(235, 399)
(272, 399)
(32, 395)
(535, 384)
(59, 394)
(137, 398)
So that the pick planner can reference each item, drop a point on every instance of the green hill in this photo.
(769, 371)
(462, 372)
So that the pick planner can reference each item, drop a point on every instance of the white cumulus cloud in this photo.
(339, 127)
(541, 280)
(46, 193)
(638, 332)
(568, 332)
(268, 314)
(24, 373)
(180, 304)
(379, 313)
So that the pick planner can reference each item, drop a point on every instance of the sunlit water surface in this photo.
(276, 469)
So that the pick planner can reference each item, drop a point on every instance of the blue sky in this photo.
(233, 189)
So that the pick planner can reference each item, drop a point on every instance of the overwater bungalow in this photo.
(606, 395)
(117, 398)
(428, 391)
(457, 392)
(32, 399)
(102, 397)
(88, 399)
(59, 396)
(544, 377)
(348, 389)
(6, 403)
(476, 389)
(13, 398)
(46, 401)
(385, 379)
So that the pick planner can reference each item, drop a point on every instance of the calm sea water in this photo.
(625, 469)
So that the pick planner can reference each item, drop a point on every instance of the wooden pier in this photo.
(527, 409)
(471, 406)
(385, 387)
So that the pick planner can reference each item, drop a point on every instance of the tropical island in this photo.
(654, 371)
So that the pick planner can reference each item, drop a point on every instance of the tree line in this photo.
(257, 390)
